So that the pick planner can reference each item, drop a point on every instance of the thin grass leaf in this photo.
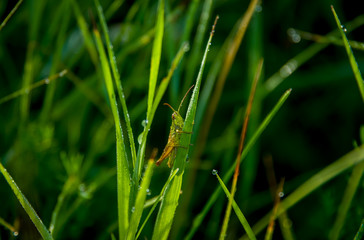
(356, 156)
(359, 235)
(10, 14)
(26, 205)
(159, 197)
(123, 175)
(326, 39)
(156, 54)
(348, 196)
(353, 63)
(140, 200)
(33, 86)
(236, 208)
(8, 226)
(117, 80)
(200, 217)
(169, 203)
(85, 32)
(294, 63)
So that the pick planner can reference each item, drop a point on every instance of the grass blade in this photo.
(156, 54)
(350, 159)
(10, 14)
(26, 205)
(200, 217)
(353, 63)
(360, 233)
(236, 208)
(170, 201)
(137, 210)
(348, 196)
(9, 226)
(117, 80)
(159, 197)
(33, 86)
(123, 176)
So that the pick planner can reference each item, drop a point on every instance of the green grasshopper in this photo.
(170, 150)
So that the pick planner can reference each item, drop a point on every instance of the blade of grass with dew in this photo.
(359, 235)
(197, 45)
(350, 159)
(159, 197)
(169, 203)
(123, 175)
(277, 200)
(26, 205)
(117, 80)
(241, 147)
(142, 139)
(353, 63)
(328, 39)
(85, 32)
(33, 86)
(156, 54)
(229, 58)
(10, 14)
(236, 208)
(140, 200)
(200, 217)
(294, 63)
(8, 226)
(347, 198)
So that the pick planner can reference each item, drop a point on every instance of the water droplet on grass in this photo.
(214, 172)
(281, 194)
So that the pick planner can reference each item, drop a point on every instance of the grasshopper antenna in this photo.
(185, 97)
(169, 106)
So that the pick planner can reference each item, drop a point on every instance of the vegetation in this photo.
(271, 143)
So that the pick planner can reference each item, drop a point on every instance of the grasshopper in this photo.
(170, 150)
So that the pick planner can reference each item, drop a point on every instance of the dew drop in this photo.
(15, 233)
(258, 8)
(343, 28)
(214, 172)
(144, 123)
(149, 192)
(186, 47)
(281, 194)
(140, 138)
(46, 81)
(133, 209)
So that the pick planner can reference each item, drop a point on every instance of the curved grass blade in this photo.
(200, 217)
(236, 208)
(169, 203)
(353, 63)
(159, 197)
(123, 175)
(117, 79)
(26, 205)
(350, 159)
(10, 14)
(156, 54)
(140, 200)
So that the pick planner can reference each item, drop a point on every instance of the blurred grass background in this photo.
(69, 121)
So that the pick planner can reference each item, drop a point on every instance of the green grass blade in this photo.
(117, 80)
(157, 201)
(236, 208)
(350, 159)
(8, 226)
(169, 203)
(137, 210)
(348, 196)
(156, 54)
(359, 235)
(123, 176)
(353, 63)
(10, 14)
(200, 217)
(26, 205)
(31, 87)
(85, 32)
